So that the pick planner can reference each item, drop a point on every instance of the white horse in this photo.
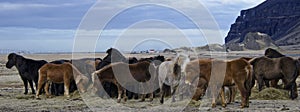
(170, 73)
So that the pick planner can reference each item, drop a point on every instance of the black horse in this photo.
(27, 68)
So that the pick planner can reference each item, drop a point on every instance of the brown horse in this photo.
(120, 74)
(238, 72)
(60, 73)
(285, 68)
(272, 53)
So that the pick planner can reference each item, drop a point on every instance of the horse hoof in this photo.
(119, 100)
(223, 105)
(25, 92)
(151, 99)
(33, 93)
(213, 105)
(142, 100)
(38, 98)
(161, 101)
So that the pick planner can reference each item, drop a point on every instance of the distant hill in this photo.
(280, 19)
(252, 41)
(209, 47)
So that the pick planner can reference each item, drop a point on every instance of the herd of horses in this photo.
(121, 77)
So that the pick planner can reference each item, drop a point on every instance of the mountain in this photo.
(253, 41)
(280, 19)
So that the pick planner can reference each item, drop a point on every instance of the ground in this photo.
(13, 99)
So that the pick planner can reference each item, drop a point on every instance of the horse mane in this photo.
(183, 62)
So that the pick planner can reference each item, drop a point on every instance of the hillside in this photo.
(280, 19)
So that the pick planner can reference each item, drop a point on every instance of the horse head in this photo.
(12, 60)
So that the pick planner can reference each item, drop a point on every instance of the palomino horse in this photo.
(238, 72)
(171, 74)
(60, 73)
(121, 73)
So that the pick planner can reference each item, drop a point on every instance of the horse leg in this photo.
(46, 88)
(40, 84)
(120, 91)
(173, 89)
(223, 97)
(294, 93)
(232, 90)
(151, 93)
(143, 95)
(267, 83)
(67, 87)
(25, 81)
(162, 93)
(214, 95)
(260, 82)
(124, 95)
(31, 85)
(244, 94)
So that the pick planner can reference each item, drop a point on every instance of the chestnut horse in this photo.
(60, 73)
(121, 73)
(237, 72)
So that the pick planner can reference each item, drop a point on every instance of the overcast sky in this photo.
(50, 25)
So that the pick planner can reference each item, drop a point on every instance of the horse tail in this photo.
(249, 80)
(295, 74)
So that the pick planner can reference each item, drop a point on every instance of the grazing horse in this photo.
(284, 68)
(141, 72)
(61, 73)
(171, 74)
(237, 72)
(272, 53)
(27, 68)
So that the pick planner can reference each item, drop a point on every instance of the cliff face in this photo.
(280, 19)
(253, 41)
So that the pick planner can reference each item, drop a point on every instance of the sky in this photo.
(55, 25)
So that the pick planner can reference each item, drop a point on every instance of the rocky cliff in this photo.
(280, 19)
(253, 41)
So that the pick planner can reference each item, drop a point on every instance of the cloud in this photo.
(13, 33)
(43, 14)
(29, 22)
